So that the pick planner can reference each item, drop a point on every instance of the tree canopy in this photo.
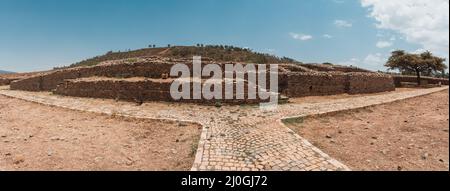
(423, 63)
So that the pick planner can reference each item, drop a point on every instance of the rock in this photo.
(384, 152)
(129, 162)
(49, 153)
(328, 136)
(340, 132)
(177, 141)
(98, 159)
(182, 124)
(3, 136)
(7, 154)
(375, 137)
(425, 156)
(441, 160)
(55, 138)
(399, 168)
(18, 159)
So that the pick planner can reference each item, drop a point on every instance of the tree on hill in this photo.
(418, 64)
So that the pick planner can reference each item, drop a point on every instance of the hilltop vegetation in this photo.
(216, 52)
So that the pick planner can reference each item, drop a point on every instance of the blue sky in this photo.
(38, 35)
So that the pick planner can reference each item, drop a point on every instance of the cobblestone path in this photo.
(235, 137)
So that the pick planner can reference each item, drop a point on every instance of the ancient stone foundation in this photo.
(331, 83)
(5, 81)
(145, 79)
(398, 80)
(141, 90)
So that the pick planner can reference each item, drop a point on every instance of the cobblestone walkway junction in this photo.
(235, 137)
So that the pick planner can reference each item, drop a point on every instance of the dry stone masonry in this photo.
(146, 79)
(398, 80)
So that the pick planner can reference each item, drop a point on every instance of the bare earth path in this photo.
(37, 137)
(406, 135)
(236, 138)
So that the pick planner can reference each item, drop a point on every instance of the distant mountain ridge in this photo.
(5, 72)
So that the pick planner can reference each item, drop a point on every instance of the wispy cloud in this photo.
(327, 36)
(339, 1)
(343, 23)
(383, 44)
(372, 62)
(302, 37)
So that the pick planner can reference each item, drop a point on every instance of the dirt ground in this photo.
(318, 99)
(37, 137)
(407, 135)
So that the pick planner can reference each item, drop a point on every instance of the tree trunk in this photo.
(418, 78)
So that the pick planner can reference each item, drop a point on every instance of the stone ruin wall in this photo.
(49, 82)
(361, 83)
(5, 81)
(136, 90)
(313, 84)
(294, 81)
(413, 79)
(331, 83)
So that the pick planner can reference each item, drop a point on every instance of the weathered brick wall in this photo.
(413, 79)
(369, 83)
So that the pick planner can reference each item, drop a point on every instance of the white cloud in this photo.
(372, 62)
(302, 37)
(327, 36)
(342, 23)
(424, 22)
(351, 62)
(383, 44)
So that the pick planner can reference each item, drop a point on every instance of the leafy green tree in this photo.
(418, 64)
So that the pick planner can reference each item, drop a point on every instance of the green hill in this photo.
(216, 52)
